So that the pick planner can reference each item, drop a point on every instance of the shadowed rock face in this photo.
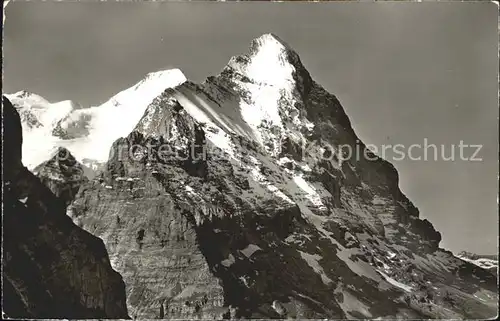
(224, 202)
(51, 267)
(12, 136)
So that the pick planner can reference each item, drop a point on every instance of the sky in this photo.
(404, 73)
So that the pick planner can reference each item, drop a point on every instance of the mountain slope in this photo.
(51, 268)
(63, 174)
(85, 131)
(243, 182)
(38, 118)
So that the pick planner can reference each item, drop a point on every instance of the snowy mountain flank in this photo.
(87, 132)
(232, 199)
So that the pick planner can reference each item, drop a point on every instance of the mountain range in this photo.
(232, 198)
(87, 132)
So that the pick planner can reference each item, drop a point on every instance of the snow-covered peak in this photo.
(269, 39)
(24, 98)
(128, 106)
(270, 62)
(156, 82)
(21, 94)
(171, 77)
(87, 132)
(39, 108)
(152, 85)
(269, 79)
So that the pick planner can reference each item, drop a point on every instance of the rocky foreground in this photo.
(51, 267)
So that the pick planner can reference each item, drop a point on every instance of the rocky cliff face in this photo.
(51, 268)
(63, 174)
(236, 198)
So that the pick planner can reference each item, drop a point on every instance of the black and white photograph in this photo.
(217, 160)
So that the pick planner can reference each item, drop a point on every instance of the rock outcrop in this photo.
(63, 174)
(236, 198)
(51, 267)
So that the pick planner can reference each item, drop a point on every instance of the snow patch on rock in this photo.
(310, 192)
(313, 261)
(105, 123)
(229, 261)
(250, 250)
(400, 285)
